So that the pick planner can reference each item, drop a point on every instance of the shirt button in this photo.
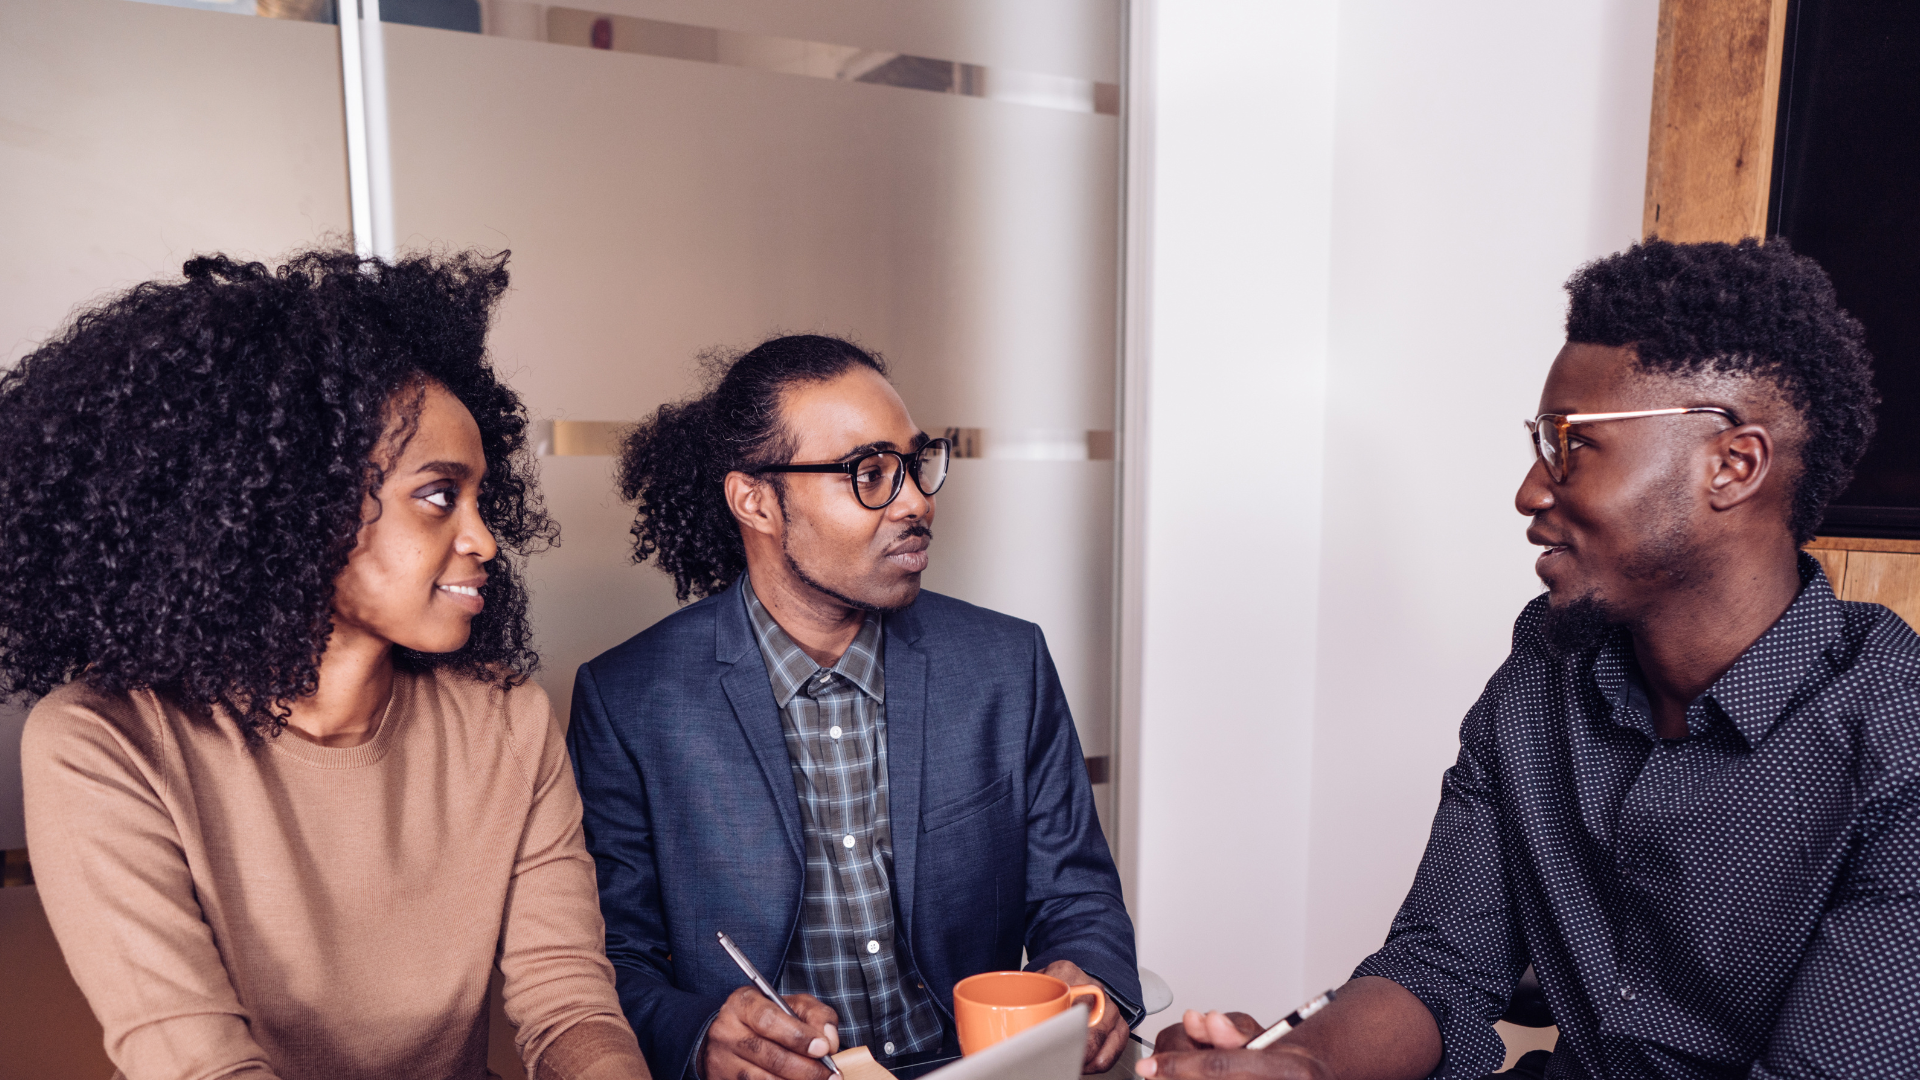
(835, 731)
(847, 841)
(873, 946)
(888, 1048)
(1626, 993)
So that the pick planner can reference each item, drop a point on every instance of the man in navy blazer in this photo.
(875, 791)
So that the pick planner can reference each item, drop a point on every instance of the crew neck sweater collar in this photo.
(353, 757)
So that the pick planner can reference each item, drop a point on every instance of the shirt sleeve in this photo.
(113, 877)
(1456, 942)
(1851, 1008)
(552, 940)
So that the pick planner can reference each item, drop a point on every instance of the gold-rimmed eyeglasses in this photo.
(1552, 443)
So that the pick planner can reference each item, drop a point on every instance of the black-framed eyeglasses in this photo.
(1551, 433)
(879, 476)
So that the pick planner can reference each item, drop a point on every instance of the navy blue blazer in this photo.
(694, 825)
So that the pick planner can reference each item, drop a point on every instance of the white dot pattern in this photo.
(1743, 902)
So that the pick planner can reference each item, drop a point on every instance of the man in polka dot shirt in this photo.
(1690, 798)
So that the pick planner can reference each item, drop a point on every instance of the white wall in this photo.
(1483, 152)
(1361, 215)
(1241, 100)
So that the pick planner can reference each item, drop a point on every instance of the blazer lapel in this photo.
(906, 667)
(751, 696)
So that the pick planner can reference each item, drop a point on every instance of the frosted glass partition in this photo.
(658, 206)
(139, 134)
(134, 135)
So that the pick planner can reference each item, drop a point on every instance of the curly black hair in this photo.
(183, 469)
(1751, 309)
(674, 465)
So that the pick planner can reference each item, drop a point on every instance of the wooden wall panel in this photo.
(1885, 577)
(1875, 571)
(1716, 85)
(1835, 564)
(1716, 90)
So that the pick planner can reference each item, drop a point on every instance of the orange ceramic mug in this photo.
(1001, 1004)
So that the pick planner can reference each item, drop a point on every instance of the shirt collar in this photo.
(1614, 675)
(1756, 692)
(789, 667)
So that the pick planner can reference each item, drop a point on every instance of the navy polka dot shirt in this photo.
(1743, 902)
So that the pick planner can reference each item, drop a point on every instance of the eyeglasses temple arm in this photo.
(1595, 418)
(838, 466)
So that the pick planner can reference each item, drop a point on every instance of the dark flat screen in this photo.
(1846, 190)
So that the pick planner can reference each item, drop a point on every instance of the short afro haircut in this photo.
(1748, 309)
(183, 469)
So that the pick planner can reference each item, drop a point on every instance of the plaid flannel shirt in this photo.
(836, 729)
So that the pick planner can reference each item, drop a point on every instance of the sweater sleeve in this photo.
(113, 877)
(552, 941)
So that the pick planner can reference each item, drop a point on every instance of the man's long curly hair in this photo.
(1743, 309)
(183, 469)
(674, 465)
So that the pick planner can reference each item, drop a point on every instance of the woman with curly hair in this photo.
(289, 791)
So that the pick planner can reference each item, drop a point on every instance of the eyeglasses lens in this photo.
(876, 480)
(1546, 443)
(930, 466)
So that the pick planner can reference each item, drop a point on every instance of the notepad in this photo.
(858, 1064)
(1048, 1051)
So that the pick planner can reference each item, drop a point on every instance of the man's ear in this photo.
(1743, 457)
(754, 504)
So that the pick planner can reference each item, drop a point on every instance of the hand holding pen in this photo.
(1234, 1032)
(759, 1033)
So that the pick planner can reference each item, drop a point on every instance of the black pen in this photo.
(760, 982)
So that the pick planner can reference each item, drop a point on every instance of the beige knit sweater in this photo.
(300, 912)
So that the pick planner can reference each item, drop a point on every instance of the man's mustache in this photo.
(912, 531)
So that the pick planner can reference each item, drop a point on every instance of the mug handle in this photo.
(1098, 1003)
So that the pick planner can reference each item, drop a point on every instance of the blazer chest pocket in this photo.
(966, 806)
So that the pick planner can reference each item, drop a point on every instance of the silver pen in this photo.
(760, 983)
(1290, 1021)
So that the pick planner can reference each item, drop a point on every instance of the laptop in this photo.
(1050, 1050)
